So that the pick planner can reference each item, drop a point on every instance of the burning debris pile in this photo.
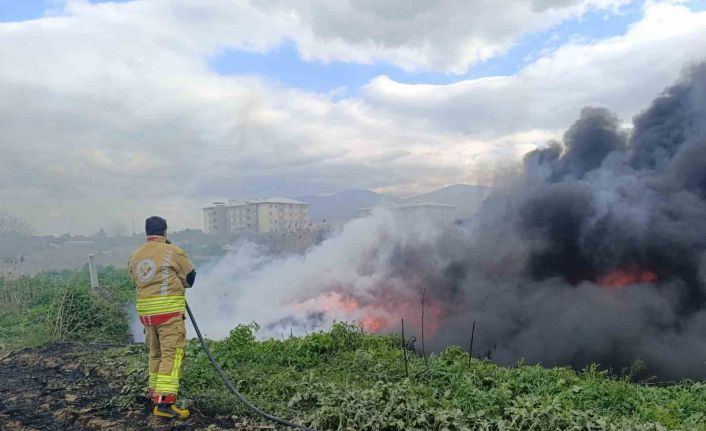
(597, 254)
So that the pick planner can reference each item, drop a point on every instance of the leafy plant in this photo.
(60, 306)
(344, 378)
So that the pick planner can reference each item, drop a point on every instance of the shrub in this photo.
(60, 306)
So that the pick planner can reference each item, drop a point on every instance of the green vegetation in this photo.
(345, 379)
(60, 306)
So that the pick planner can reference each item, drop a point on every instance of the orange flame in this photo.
(622, 278)
(374, 323)
(376, 314)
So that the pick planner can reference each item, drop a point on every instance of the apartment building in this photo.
(214, 218)
(277, 214)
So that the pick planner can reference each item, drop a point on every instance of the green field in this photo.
(344, 378)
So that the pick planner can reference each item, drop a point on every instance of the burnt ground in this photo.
(49, 388)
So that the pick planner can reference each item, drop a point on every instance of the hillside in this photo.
(345, 205)
(342, 206)
(467, 198)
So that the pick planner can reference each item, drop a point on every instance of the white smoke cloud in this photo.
(248, 285)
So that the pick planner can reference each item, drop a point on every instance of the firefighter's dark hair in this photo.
(155, 226)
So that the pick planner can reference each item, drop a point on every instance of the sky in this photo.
(114, 111)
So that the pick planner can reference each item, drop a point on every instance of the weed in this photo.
(60, 306)
(344, 378)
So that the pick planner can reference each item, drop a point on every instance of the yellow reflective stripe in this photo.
(153, 380)
(146, 307)
(159, 298)
(167, 384)
(142, 311)
(162, 300)
(178, 357)
(160, 304)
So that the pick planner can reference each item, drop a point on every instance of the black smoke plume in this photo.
(533, 268)
(596, 254)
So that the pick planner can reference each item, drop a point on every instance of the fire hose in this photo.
(232, 388)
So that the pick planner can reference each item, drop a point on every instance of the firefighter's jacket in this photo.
(160, 272)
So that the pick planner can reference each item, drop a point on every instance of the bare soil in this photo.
(47, 389)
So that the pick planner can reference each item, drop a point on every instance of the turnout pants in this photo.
(165, 343)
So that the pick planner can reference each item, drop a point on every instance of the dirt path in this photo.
(46, 389)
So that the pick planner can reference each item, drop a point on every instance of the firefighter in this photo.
(162, 272)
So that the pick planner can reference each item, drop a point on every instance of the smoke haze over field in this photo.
(597, 253)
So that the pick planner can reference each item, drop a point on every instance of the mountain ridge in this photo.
(344, 205)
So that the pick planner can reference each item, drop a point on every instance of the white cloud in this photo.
(110, 110)
(445, 35)
(623, 73)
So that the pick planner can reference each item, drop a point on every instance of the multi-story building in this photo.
(214, 218)
(276, 214)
